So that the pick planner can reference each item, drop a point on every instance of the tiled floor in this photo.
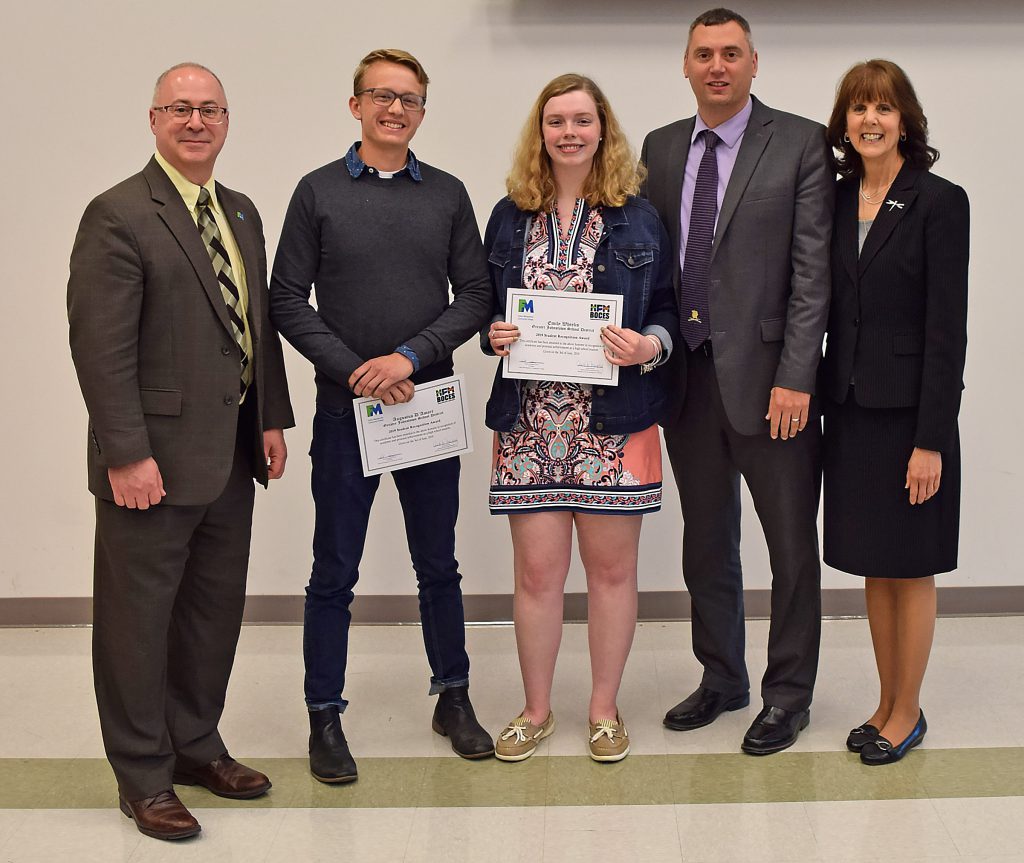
(678, 797)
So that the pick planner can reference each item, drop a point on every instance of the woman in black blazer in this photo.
(890, 384)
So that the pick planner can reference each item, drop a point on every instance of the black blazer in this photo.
(898, 319)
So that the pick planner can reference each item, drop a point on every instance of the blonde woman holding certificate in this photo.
(568, 454)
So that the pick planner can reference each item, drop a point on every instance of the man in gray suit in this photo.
(184, 382)
(746, 194)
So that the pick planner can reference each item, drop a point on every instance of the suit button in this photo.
(228, 400)
(226, 351)
(599, 391)
(856, 322)
(599, 426)
(600, 268)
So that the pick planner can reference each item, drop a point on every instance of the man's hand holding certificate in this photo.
(431, 426)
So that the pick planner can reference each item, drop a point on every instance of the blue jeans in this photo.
(429, 495)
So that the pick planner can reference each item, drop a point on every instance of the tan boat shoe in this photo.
(518, 741)
(608, 739)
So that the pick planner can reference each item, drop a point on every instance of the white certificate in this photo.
(431, 426)
(560, 336)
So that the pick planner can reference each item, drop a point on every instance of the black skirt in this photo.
(870, 527)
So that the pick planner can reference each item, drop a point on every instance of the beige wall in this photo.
(77, 80)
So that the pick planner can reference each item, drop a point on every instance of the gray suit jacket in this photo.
(769, 278)
(156, 361)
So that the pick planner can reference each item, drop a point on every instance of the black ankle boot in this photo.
(454, 718)
(329, 758)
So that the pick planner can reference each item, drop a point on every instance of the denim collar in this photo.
(356, 166)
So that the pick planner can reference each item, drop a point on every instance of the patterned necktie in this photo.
(228, 289)
(693, 295)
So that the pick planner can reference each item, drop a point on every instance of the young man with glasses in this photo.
(380, 235)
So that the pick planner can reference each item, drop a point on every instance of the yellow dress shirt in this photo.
(189, 192)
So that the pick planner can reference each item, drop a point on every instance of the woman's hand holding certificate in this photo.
(560, 336)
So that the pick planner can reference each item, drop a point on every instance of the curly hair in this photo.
(879, 81)
(614, 175)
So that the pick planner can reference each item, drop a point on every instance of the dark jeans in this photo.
(429, 495)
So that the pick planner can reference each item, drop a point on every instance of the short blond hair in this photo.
(389, 55)
(163, 76)
(614, 175)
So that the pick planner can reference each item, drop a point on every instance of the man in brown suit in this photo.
(184, 382)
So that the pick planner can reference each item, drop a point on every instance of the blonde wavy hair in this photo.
(614, 175)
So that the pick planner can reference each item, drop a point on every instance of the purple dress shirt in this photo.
(731, 133)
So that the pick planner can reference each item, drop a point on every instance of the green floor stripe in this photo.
(87, 783)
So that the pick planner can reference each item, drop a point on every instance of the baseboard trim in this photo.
(497, 608)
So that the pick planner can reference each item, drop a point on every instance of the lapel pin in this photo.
(891, 204)
(238, 214)
(694, 317)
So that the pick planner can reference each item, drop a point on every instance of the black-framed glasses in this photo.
(385, 98)
(212, 115)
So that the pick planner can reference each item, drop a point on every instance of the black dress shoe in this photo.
(454, 718)
(329, 758)
(881, 751)
(774, 729)
(702, 707)
(861, 736)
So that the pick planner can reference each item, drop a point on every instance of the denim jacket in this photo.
(634, 260)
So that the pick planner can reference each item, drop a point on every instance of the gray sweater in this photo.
(380, 254)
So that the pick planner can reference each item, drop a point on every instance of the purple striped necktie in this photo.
(693, 295)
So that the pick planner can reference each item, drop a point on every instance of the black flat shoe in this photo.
(882, 751)
(774, 729)
(702, 707)
(861, 736)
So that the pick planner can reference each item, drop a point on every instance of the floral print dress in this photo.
(551, 460)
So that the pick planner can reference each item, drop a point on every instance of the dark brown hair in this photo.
(879, 81)
(718, 17)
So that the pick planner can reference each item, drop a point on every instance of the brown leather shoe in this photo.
(225, 777)
(162, 816)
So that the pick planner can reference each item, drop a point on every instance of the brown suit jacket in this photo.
(150, 339)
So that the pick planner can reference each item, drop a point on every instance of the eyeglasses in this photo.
(212, 115)
(386, 98)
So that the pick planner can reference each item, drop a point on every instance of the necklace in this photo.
(881, 190)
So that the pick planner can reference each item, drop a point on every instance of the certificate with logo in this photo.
(431, 426)
(560, 336)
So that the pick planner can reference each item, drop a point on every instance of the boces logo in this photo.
(600, 312)
(525, 306)
(376, 410)
(445, 394)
